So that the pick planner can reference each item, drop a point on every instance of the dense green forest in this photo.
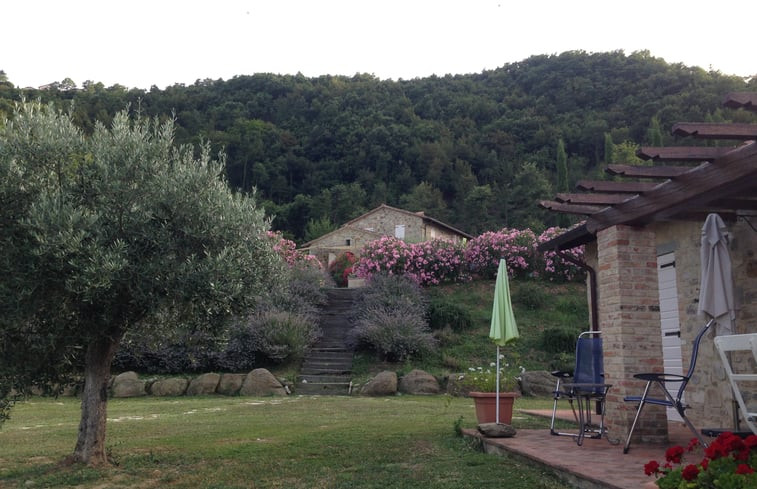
(477, 151)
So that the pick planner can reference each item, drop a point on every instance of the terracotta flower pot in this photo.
(486, 406)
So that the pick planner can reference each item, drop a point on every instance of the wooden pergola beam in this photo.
(725, 130)
(741, 100)
(728, 176)
(682, 153)
(584, 210)
(637, 171)
(615, 187)
(591, 199)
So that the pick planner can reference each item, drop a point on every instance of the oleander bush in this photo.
(516, 247)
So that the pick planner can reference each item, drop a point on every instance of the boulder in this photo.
(383, 384)
(203, 385)
(171, 387)
(128, 384)
(537, 383)
(230, 384)
(496, 430)
(418, 382)
(261, 382)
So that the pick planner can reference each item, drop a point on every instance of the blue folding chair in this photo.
(659, 379)
(586, 387)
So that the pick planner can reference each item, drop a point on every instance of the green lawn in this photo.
(238, 442)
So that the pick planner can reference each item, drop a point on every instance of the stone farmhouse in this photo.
(642, 235)
(384, 220)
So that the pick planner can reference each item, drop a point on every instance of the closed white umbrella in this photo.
(716, 284)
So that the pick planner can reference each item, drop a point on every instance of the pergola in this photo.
(631, 220)
(685, 182)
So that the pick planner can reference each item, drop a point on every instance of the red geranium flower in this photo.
(651, 467)
(744, 469)
(690, 472)
(674, 454)
(750, 441)
(693, 443)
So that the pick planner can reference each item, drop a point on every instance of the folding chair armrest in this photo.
(563, 374)
(660, 377)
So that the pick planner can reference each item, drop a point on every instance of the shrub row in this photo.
(437, 261)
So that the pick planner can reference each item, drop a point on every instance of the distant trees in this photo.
(114, 232)
(293, 137)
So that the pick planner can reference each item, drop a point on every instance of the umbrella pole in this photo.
(496, 399)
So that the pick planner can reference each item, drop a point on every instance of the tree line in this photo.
(477, 151)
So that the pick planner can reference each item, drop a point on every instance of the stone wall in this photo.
(383, 221)
(708, 392)
(379, 222)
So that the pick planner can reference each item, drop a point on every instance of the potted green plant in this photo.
(482, 382)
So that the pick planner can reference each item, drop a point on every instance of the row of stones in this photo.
(259, 382)
(418, 382)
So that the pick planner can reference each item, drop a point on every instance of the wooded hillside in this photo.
(477, 151)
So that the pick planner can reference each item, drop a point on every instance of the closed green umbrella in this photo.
(503, 328)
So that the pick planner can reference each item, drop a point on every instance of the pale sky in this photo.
(140, 43)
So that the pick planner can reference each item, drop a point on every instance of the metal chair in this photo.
(586, 387)
(659, 379)
(734, 343)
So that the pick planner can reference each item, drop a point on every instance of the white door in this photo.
(670, 326)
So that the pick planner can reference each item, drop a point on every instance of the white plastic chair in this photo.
(735, 343)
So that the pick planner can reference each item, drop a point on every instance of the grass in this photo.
(296, 442)
(307, 442)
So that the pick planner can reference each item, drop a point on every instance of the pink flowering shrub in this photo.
(287, 250)
(428, 263)
(516, 247)
(387, 255)
(555, 268)
(438, 261)
(434, 262)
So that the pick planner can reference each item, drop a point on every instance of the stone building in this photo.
(412, 227)
(642, 239)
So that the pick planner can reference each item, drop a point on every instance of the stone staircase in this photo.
(327, 367)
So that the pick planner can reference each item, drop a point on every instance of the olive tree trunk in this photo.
(90, 445)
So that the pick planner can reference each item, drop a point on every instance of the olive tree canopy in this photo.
(100, 234)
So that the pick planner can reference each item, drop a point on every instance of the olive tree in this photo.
(102, 234)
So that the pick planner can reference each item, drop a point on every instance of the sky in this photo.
(145, 43)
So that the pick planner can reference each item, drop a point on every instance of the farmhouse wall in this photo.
(382, 221)
(708, 392)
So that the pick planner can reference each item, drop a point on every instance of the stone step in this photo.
(325, 371)
(327, 366)
(317, 364)
(330, 343)
(330, 357)
(322, 379)
(326, 389)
